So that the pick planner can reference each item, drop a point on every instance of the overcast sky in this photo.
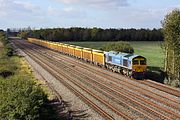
(84, 13)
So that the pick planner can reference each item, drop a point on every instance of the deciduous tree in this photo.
(171, 30)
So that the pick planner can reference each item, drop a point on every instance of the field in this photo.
(151, 50)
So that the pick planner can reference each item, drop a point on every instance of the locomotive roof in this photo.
(135, 56)
(118, 53)
(129, 55)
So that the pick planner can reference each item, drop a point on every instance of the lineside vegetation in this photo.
(20, 96)
(171, 30)
(119, 47)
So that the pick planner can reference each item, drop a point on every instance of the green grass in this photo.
(151, 50)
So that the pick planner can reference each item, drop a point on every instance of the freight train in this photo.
(127, 64)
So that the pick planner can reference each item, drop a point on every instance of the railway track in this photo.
(113, 97)
(162, 87)
(166, 88)
(131, 96)
(59, 76)
(139, 103)
(155, 95)
(98, 71)
(150, 103)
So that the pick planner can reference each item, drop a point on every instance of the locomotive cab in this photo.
(139, 67)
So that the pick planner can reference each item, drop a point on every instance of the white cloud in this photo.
(103, 4)
(27, 6)
(87, 13)
(17, 13)
(137, 17)
(68, 1)
(13, 7)
(68, 9)
(4, 6)
(178, 6)
(67, 12)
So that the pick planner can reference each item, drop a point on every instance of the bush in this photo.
(8, 67)
(20, 98)
(23, 34)
(3, 38)
(119, 47)
(172, 80)
(8, 50)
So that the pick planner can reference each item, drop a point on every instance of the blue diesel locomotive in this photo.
(127, 64)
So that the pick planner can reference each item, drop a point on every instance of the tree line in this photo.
(171, 30)
(94, 34)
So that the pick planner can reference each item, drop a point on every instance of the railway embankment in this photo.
(22, 95)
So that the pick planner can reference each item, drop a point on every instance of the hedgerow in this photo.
(8, 50)
(119, 47)
(20, 97)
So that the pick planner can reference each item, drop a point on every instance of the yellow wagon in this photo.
(71, 50)
(98, 57)
(87, 54)
(78, 52)
(60, 47)
(55, 46)
(65, 48)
